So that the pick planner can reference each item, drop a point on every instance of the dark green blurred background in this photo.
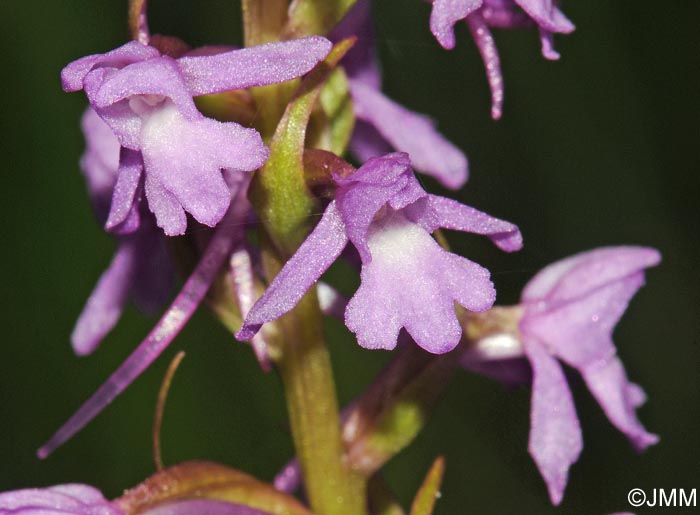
(598, 149)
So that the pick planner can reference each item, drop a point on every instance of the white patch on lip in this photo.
(160, 125)
(398, 243)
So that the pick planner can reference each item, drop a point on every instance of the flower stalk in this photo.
(284, 204)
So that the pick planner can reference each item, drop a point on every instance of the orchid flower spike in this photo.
(408, 280)
(167, 146)
(382, 124)
(480, 15)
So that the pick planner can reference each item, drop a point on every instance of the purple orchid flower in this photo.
(79, 499)
(408, 280)
(568, 313)
(571, 308)
(69, 499)
(167, 146)
(382, 124)
(140, 269)
(480, 15)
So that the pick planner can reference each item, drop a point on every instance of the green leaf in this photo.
(429, 492)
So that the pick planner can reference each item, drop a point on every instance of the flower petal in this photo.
(619, 398)
(159, 77)
(123, 215)
(430, 152)
(547, 15)
(106, 302)
(72, 76)
(100, 161)
(575, 276)
(254, 66)
(68, 499)
(314, 256)
(449, 214)
(492, 62)
(361, 195)
(184, 158)
(580, 332)
(411, 282)
(445, 14)
(555, 434)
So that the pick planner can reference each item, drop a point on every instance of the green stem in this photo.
(305, 368)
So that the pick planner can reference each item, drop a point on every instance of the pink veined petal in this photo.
(311, 260)
(123, 215)
(253, 66)
(244, 287)
(159, 77)
(580, 332)
(618, 397)
(574, 276)
(72, 75)
(555, 434)
(106, 302)
(203, 507)
(450, 214)
(489, 55)
(430, 152)
(445, 14)
(172, 322)
(547, 15)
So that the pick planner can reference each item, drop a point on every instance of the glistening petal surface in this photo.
(320, 249)
(253, 66)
